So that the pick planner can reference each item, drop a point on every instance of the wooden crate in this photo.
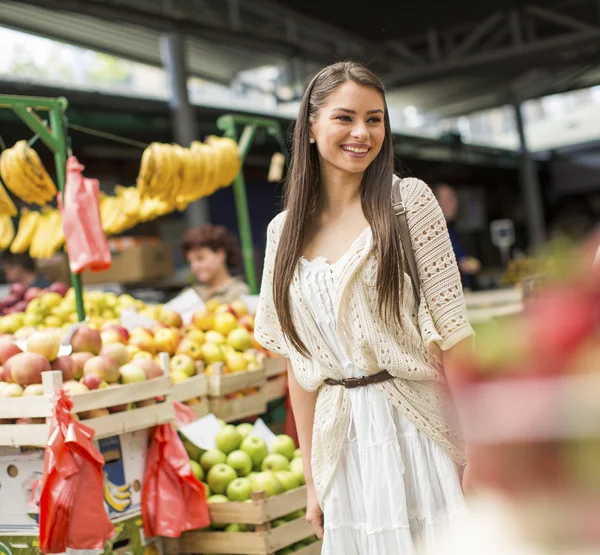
(36, 435)
(276, 388)
(221, 384)
(263, 541)
(231, 410)
(274, 366)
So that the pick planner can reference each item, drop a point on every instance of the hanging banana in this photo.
(28, 223)
(7, 232)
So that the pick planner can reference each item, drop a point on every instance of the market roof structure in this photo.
(451, 58)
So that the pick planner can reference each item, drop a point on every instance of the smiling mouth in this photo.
(356, 150)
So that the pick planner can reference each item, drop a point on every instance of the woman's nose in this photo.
(360, 130)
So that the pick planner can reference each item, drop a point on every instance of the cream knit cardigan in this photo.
(411, 353)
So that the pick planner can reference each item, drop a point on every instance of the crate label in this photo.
(262, 431)
(202, 432)
(186, 303)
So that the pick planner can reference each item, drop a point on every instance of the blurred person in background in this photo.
(214, 257)
(20, 268)
(468, 265)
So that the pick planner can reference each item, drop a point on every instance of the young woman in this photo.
(213, 254)
(381, 458)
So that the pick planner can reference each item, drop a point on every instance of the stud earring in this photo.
(311, 141)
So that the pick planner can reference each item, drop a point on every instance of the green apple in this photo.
(197, 470)
(267, 482)
(284, 445)
(295, 515)
(194, 452)
(275, 462)
(211, 458)
(297, 469)
(287, 479)
(218, 499)
(297, 454)
(245, 428)
(219, 477)
(298, 546)
(228, 439)
(279, 522)
(239, 489)
(235, 528)
(221, 422)
(206, 490)
(310, 539)
(240, 462)
(285, 551)
(256, 448)
(240, 339)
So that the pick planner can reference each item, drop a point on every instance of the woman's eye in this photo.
(344, 118)
(374, 120)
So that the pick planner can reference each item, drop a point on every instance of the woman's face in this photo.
(206, 263)
(349, 129)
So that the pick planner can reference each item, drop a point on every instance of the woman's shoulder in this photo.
(412, 188)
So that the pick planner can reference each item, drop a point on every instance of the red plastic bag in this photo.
(72, 513)
(173, 499)
(86, 242)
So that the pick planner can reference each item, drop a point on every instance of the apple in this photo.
(267, 482)
(228, 439)
(235, 527)
(132, 350)
(116, 351)
(30, 421)
(171, 318)
(240, 489)
(197, 470)
(195, 335)
(142, 354)
(240, 462)
(256, 448)
(214, 337)
(219, 477)
(247, 322)
(33, 390)
(86, 340)
(212, 457)
(28, 329)
(239, 308)
(131, 373)
(275, 462)
(211, 353)
(144, 340)
(217, 499)
(145, 403)
(184, 364)
(18, 290)
(240, 339)
(27, 368)
(94, 413)
(288, 480)
(190, 347)
(43, 343)
(178, 377)
(79, 360)
(300, 513)
(278, 522)
(92, 381)
(297, 454)
(12, 390)
(203, 320)
(284, 445)
(152, 368)
(224, 323)
(123, 332)
(245, 428)
(194, 452)
(106, 367)
(297, 469)
(111, 336)
(221, 422)
(5, 375)
(166, 340)
(74, 388)
(8, 348)
(59, 287)
(66, 365)
(31, 293)
(236, 362)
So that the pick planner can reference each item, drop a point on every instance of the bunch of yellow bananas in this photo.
(180, 175)
(7, 231)
(24, 174)
(28, 223)
(48, 237)
(7, 206)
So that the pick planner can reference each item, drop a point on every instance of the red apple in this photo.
(79, 360)
(92, 381)
(145, 403)
(123, 332)
(30, 421)
(171, 318)
(18, 290)
(31, 293)
(86, 340)
(67, 366)
(59, 287)
(9, 300)
(27, 368)
(5, 374)
(247, 322)
(8, 348)
(111, 336)
(105, 367)
(116, 351)
(151, 368)
(20, 306)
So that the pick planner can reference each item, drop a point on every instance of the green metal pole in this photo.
(60, 160)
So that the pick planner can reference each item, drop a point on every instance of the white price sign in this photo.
(202, 432)
(131, 319)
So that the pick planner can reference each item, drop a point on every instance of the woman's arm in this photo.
(303, 407)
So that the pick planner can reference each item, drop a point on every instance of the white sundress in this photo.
(393, 486)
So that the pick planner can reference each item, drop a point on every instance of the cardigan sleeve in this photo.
(267, 329)
(441, 287)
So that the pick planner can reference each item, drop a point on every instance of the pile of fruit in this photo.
(240, 464)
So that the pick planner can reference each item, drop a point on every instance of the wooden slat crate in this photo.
(231, 410)
(221, 384)
(274, 366)
(263, 541)
(276, 388)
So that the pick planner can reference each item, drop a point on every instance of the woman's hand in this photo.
(314, 515)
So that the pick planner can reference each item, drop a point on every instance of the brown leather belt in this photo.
(351, 383)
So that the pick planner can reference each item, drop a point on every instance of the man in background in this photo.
(468, 265)
(20, 268)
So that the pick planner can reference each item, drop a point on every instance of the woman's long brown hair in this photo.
(302, 191)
